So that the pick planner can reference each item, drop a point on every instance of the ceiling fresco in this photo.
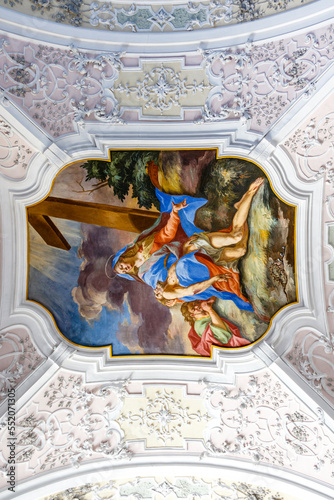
(213, 261)
(166, 250)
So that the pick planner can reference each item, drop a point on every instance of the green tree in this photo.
(125, 169)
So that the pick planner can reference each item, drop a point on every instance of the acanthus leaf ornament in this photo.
(70, 422)
(18, 357)
(268, 77)
(164, 416)
(56, 86)
(263, 422)
(161, 88)
(145, 17)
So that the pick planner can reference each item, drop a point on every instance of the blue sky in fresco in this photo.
(61, 276)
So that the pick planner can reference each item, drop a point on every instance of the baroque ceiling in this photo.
(251, 80)
(151, 17)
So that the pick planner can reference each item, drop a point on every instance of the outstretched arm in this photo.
(177, 291)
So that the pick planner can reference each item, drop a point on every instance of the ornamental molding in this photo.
(62, 88)
(310, 147)
(15, 152)
(311, 355)
(176, 487)
(94, 141)
(177, 477)
(261, 420)
(98, 364)
(95, 138)
(151, 17)
(178, 24)
(18, 359)
(66, 423)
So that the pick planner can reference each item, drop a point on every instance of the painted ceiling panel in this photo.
(254, 423)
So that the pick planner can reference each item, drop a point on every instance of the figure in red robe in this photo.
(208, 328)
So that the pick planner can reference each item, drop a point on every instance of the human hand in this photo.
(222, 277)
(171, 302)
(158, 291)
(206, 305)
(179, 206)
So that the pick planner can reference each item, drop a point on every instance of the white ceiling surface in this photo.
(155, 16)
(33, 156)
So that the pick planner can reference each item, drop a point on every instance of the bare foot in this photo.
(252, 189)
(255, 185)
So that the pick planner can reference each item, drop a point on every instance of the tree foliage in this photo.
(125, 169)
(227, 179)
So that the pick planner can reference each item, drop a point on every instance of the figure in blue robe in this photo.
(155, 267)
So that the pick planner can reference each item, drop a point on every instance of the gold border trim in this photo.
(202, 358)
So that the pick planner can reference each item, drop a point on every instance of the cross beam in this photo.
(123, 218)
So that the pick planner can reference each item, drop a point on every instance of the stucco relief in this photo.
(311, 148)
(70, 422)
(57, 86)
(66, 423)
(312, 356)
(258, 82)
(261, 420)
(163, 89)
(172, 487)
(151, 17)
(163, 417)
(18, 358)
(15, 152)
(255, 83)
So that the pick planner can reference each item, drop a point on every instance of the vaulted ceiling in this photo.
(253, 79)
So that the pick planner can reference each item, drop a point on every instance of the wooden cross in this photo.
(125, 219)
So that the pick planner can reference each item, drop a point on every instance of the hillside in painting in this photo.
(132, 222)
